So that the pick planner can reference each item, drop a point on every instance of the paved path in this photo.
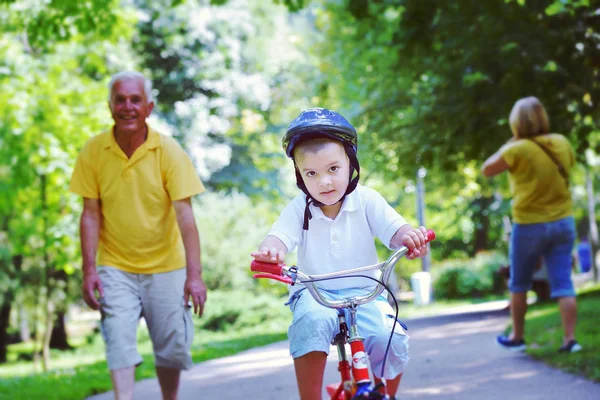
(453, 357)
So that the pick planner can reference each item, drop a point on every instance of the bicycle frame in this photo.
(361, 385)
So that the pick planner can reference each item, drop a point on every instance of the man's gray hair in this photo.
(130, 75)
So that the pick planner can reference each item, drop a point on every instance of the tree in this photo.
(432, 83)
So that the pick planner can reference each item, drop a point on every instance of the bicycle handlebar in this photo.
(289, 275)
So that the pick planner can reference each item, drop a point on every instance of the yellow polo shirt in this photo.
(540, 193)
(139, 231)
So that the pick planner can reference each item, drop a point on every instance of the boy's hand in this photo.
(414, 239)
(270, 255)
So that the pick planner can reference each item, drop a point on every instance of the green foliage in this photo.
(235, 310)
(47, 113)
(216, 87)
(47, 23)
(433, 82)
(475, 277)
(231, 227)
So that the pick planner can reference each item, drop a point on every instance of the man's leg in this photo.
(120, 311)
(309, 374)
(169, 382)
(170, 326)
(123, 380)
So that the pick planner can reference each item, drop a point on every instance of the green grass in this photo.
(544, 334)
(235, 322)
(85, 380)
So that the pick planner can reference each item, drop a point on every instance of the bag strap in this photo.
(561, 169)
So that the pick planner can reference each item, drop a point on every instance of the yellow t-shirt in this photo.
(139, 231)
(540, 193)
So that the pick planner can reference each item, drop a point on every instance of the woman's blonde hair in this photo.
(528, 118)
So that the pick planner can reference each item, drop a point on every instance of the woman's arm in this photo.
(494, 165)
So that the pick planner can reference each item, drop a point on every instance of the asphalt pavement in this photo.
(452, 357)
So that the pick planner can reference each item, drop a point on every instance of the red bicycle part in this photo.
(429, 236)
(284, 279)
(360, 362)
(270, 268)
(336, 391)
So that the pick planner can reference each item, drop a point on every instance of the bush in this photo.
(476, 277)
(231, 227)
(227, 310)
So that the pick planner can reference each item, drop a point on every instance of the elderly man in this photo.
(139, 241)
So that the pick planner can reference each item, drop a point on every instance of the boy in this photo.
(333, 224)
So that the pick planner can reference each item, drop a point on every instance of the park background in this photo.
(428, 85)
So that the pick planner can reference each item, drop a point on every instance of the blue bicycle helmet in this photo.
(322, 123)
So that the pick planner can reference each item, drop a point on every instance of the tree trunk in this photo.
(24, 324)
(17, 262)
(4, 318)
(59, 339)
(47, 332)
(481, 220)
(48, 306)
(593, 233)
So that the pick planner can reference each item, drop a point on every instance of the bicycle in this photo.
(355, 382)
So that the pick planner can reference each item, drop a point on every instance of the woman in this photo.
(538, 163)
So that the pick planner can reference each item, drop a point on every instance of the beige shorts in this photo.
(159, 299)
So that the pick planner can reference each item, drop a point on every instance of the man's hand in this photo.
(415, 240)
(270, 255)
(196, 289)
(91, 284)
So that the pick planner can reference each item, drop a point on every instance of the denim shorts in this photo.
(314, 326)
(552, 240)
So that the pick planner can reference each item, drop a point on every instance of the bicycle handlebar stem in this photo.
(353, 302)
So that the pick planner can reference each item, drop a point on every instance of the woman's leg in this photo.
(526, 245)
(518, 308)
(568, 314)
(558, 261)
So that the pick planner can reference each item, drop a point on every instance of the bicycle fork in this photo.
(360, 365)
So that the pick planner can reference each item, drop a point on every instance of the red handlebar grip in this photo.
(284, 279)
(270, 268)
(430, 235)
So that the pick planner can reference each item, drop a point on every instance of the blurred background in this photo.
(428, 84)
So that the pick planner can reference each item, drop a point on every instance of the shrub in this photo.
(243, 309)
(230, 227)
(475, 277)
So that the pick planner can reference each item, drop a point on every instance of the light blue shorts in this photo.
(552, 240)
(314, 326)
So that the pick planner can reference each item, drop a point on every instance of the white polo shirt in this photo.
(346, 242)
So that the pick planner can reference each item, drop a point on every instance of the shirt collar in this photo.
(152, 141)
(351, 203)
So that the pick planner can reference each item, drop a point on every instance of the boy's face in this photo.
(325, 171)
